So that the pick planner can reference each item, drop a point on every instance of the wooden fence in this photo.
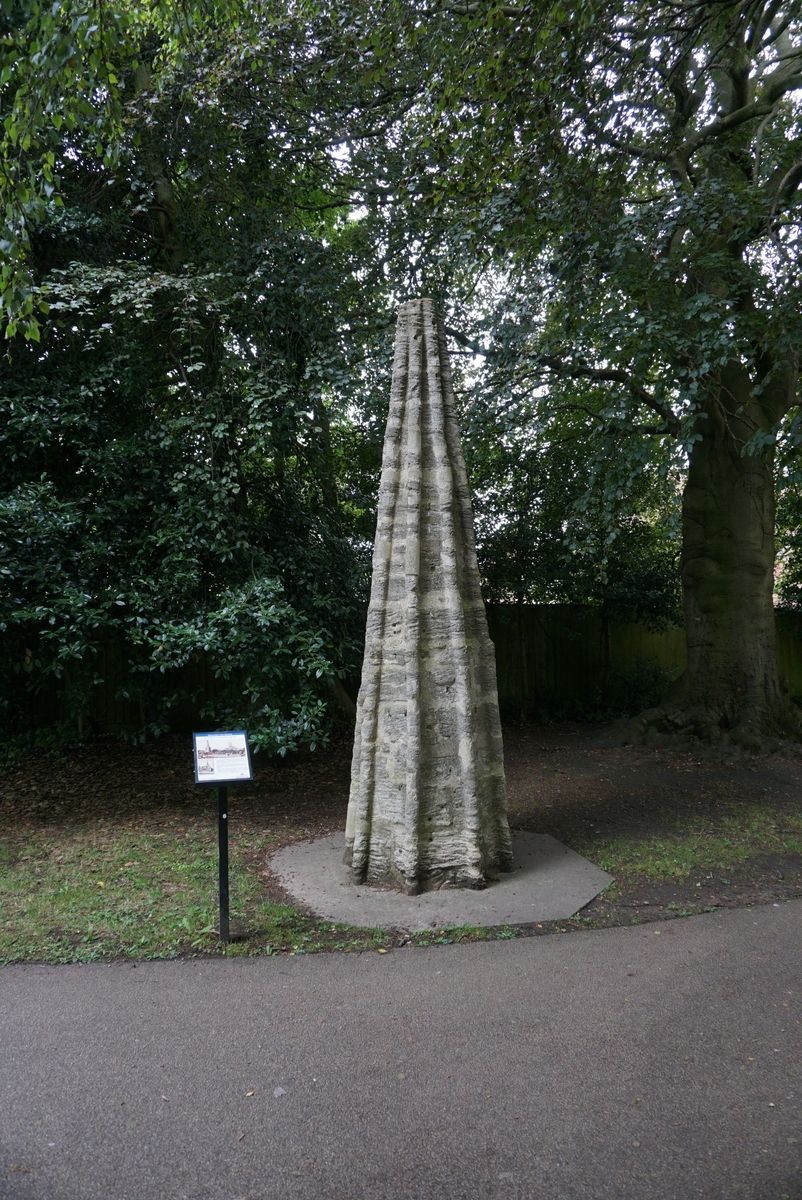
(550, 658)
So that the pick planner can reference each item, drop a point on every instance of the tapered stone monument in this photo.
(428, 806)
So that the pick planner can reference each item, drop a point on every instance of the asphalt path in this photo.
(657, 1061)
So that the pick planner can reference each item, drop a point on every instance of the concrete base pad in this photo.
(550, 882)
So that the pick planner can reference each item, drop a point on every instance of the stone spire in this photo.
(428, 804)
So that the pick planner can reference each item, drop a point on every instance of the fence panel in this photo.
(547, 656)
(550, 654)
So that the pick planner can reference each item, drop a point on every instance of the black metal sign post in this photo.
(222, 758)
(222, 859)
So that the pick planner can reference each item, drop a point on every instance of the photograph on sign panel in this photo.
(221, 757)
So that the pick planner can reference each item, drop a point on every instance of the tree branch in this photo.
(650, 429)
(462, 340)
(470, 10)
(672, 423)
(755, 39)
(760, 108)
(786, 188)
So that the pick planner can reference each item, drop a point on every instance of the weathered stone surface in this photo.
(549, 882)
(428, 797)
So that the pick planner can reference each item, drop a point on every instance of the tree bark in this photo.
(732, 683)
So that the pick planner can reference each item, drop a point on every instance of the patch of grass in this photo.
(459, 933)
(147, 887)
(693, 846)
(81, 893)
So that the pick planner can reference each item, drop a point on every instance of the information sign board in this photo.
(222, 758)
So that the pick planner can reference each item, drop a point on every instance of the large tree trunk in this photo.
(727, 569)
(731, 687)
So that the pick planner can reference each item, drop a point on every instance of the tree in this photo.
(630, 174)
(183, 475)
(547, 527)
(606, 202)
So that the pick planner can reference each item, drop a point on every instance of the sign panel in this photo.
(222, 758)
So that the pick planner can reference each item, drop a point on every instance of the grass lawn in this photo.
(691, 847)
(84, 893)
(88, 891)
(110, 851)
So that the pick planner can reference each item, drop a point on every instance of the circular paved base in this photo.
(549, 882)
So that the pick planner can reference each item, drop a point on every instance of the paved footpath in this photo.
(659, 1061)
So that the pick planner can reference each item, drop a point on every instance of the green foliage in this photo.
(210, 211)
(789, 517)
(57, 80)
(556, 525)
(50, 739)
(163, 495)
(622, 185)
(179, 444)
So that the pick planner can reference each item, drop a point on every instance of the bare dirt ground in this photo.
(596, 800)
(560, 782)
